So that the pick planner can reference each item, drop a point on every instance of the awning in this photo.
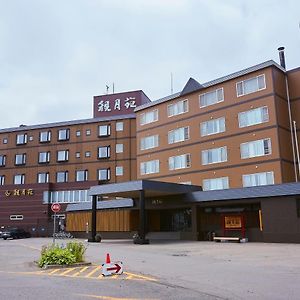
(151, 188)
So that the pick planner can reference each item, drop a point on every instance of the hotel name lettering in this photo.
(19, 192)
(117, 104)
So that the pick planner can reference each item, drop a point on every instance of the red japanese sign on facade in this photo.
(118, 104)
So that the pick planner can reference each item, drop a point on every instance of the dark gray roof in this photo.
(276, 190)
(67, 123)
(107, 204)
(191, 86)
(234, 75)
(152, 188)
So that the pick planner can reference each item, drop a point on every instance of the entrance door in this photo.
(175, 220)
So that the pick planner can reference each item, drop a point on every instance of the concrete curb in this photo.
(81, 264)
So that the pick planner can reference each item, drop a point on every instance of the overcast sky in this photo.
(56, 55)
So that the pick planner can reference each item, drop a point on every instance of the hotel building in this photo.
(235, 138)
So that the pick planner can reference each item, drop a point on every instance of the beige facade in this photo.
(266, 126)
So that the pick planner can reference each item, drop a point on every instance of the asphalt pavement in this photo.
(161, 270)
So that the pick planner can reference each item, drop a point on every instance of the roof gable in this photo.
(191, 86)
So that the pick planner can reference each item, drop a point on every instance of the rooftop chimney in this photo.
(281, 56)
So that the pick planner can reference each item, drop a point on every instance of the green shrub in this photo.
(54, 255)
(77, 249)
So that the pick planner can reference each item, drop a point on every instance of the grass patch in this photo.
(72, 253)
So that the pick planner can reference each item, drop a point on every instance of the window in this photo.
(67, 196)
(212, 97)
(215, 184)
(63, 134)
(43, 178)
(2, 179)
(149, 117)
(119, 148)
(104, 130)
(179, 162)
(21, 139)
(256, 148)
(178, 135)
(104, 174)
(119, 126)
(20, 159)
(212, 127)
(16, 217)
(62, 176)
(149, 142)
(78, 133)
(253, 117)
(88, 132)
(251, 85)
(149, 167)
(82, 175)
(119, 171)
(104, 152)
(2, 160)
(62, 155)
(77, 154)
(216, 155)
(257, 179)
(19, 179)
(87, 154)
(44, 157)
(178, 108)
(45, 136)
(5, 141)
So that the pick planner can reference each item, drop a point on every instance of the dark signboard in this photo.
(118, 104)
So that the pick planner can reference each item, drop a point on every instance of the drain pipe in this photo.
(297, 145)
(282, 63)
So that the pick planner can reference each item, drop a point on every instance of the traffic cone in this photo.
(107, 258)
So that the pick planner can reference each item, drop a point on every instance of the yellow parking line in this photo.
(67, 271)
(111, 298)
(82, 270)
(94, 271)
(140, 276)
(54, 271)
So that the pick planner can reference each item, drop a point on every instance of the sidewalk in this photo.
(230, 270)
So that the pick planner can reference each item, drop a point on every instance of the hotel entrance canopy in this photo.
(140, 189)
(132, 189)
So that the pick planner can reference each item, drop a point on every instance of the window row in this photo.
(68, 196)
(64, 134)
(63, 176)
(255, 179)
(243, 88)
(61, 155)
(210, 156)
(248, 118)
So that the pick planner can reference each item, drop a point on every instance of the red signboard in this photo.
(55, 207)
(118, 104)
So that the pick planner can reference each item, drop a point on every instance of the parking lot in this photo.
(175, 270)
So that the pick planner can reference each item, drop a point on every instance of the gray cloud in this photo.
(56, 55)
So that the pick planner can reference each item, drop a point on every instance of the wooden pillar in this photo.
(142, 226)
(94, 219)
(195, 229)
(142, 221)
